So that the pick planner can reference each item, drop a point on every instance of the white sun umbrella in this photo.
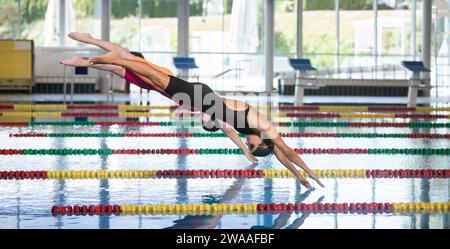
(52, 19)
(244, 26)
(390, 3)
(244, 39)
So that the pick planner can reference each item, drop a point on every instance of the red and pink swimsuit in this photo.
(133, 78)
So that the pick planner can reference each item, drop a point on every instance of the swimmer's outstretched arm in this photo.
(288, 164)
(234, 136)
(293, 156)
(268, 131)
(159, 78)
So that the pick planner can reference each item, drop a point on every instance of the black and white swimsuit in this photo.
(204, 99)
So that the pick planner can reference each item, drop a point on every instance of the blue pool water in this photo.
(27, 203)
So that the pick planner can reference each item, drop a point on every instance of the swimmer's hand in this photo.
(315, 178)
(250, 156)
(304, 182)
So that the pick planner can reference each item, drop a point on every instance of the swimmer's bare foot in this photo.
(108, 58)
(81, 37)
(75, 61)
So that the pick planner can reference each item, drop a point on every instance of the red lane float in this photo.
(371, 207)
(6, 107)
(90, 114)
(11, 152)
(327, 207)
(292, 134)
(408, 173)
(157, 134)
(127, 123)
(28, 135)
(21, 175)
(291, 115)
(240, 173)
(86, 210)
(339, 115)
(95, 107)
(14, 124)
(331, 151)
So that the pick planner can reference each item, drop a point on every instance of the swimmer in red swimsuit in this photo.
(230, 116)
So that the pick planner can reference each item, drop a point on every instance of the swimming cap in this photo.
(264, 149)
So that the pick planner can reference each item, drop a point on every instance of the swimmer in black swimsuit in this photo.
(231, 116)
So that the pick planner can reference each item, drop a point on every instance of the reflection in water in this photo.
(268, 195)
(425, 190)
(336, 185)
(297, 223)
(413, 199)
(445, 219)
(211, 221)
(103, 221)
(131, 130)
(373, 182)
(24, 208)
(425, 197)
(182, 184)
(284, 217)
(60, 184)
(18, 206)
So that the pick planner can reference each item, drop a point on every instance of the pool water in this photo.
(27, 203)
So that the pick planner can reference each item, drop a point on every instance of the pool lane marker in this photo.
(222, 151)
(221, 173)
(198, 124)
(281, 115)
(164, 107)
(220, 134)
(251, 208)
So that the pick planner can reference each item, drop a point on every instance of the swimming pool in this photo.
(27, 203)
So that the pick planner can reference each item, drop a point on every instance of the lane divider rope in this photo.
(221, 173)
(198, 124)
(221, 134)
(223, 151)
(282, 107)
(251, 208)
(282, 115)
(363, 115)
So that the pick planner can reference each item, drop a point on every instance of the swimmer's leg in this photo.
(159, 79)
(106, 45)
(77, 61)
(112, 47)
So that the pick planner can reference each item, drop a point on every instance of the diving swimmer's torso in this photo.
(135, 79)
(201, 97)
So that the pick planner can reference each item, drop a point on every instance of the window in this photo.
(226, 40)
(145, 25)
(394, 31)
(26, 24)
(9, 19)
(285, 34)
(84, 16)
(319, 32)
(285, 27)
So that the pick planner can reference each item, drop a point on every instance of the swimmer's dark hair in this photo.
(264, 149)
(138, 54)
